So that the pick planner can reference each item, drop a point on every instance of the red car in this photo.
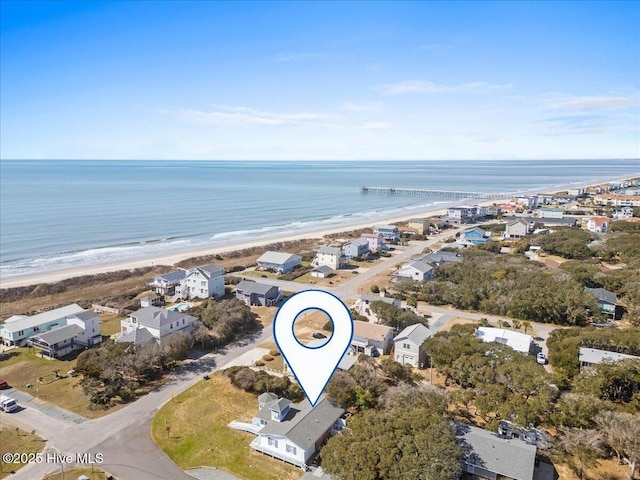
(3, 384)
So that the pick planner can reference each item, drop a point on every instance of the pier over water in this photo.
(417, 192)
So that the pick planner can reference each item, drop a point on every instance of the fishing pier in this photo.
(417, 192)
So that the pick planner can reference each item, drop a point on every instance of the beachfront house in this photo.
(408, 349)
(388, 232)
(151, 300)
(474, 236)
(331, 257)
(356, 248)
(594, 356)
(516, 229)
(16, 329)
(81, 331)
(153, 323)
(292, 432)
(202, 282)
(376, 242)
(417, 270)
(279, 262)
(261, 294)
(520, 342)
(166, 283)
(608, 303)
(465, 214)
(371, 339)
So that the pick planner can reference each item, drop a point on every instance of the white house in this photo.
(202, 282)
(363, 304)
(81, 331)
(290, 432)
(156, 322)
(516, 229)
(623, 213)
(331, 257)
(598, 224)
(261, 294)
(594, 356)
(279, 262)
(520, 342)
(408, 345)
(166, 283)
(415, 271)
(371, 339)
(388, 232)
(376, 242)
(17, 329)
(356, 248)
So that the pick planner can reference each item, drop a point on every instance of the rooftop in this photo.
(417, 333)
(24, 322)
(247, 288)
(595, 356)
(520, 342)
(604, 295)
(172, 277)
(330, 250)
(60, 334)
(369, 330)
(156, 317)
(278, 257)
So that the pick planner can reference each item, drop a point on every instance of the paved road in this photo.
(124, 437)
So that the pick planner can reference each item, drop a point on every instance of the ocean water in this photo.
(61, 214)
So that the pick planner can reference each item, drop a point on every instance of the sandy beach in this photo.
(173, 258)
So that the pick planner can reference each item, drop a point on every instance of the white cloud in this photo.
(593, 103)
(422, 86)
(247, 116)
(362, 106)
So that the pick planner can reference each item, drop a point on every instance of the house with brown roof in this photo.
(372, 339)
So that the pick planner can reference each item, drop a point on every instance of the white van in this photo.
(7, 404)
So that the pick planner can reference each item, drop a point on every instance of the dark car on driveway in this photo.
(319, 335)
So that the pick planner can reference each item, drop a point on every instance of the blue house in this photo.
(356, 248)
(474, 236)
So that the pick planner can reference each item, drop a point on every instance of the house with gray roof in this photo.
(332, 257)
(166, 283)
(294, 432)
(17, 329)
(356, 248)
(279, 262)
(81, 331)
(438, 258)
(202, 282)
(417, 270)
(321, 272)
(159, 323)
(608, 303)
(363, 304)
(408, 348)
(492, 456)
(594, 356)
(261, 294)
(517, 229)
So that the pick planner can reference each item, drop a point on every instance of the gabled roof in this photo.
(172, 277)
(474, 230)
(378, 298)
(137, 336)
(41, 318)
(440, 257)
(417, 333)
(520, 342)
(323, 269)
(156, 317)
(330, 250)
(373, 331)
(512, 458)
(604, 295)
(304, 425)
(207, 270)
(278, 257)
(520, 220)
(418, 265)
(594, 355)
(60, 334)
(247, 288)
(359, 241)
(86, 315)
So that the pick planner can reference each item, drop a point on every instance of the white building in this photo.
(166, 283)
(417, 270)
(153, 322)
(290, 432)
(372, 339)
(279, 262)
(81, 331)
(376, 242)
(520, 342)
(594, 356)
(202, 282)
(408, 345)
(17, 329)
(388, 232)
(356, 248)
(331, 257)
(598, 224)
(516, 229)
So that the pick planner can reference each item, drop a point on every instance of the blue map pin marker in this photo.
(313, 366)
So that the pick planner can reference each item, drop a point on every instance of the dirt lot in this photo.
(308, 323)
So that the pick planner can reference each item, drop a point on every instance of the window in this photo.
(406, 346)
(171, 326)
(183, 321)
(291, 449)
(272, 442)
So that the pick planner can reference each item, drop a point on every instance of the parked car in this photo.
(3, 384)
(318, 335)
(541, 358)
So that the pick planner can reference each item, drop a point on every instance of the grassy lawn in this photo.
(253, 273)
(21, 442)
(21, 366)
(198, 419)
(109, 324)
(93, 474)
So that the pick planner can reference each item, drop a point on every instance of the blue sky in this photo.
(319, 80)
